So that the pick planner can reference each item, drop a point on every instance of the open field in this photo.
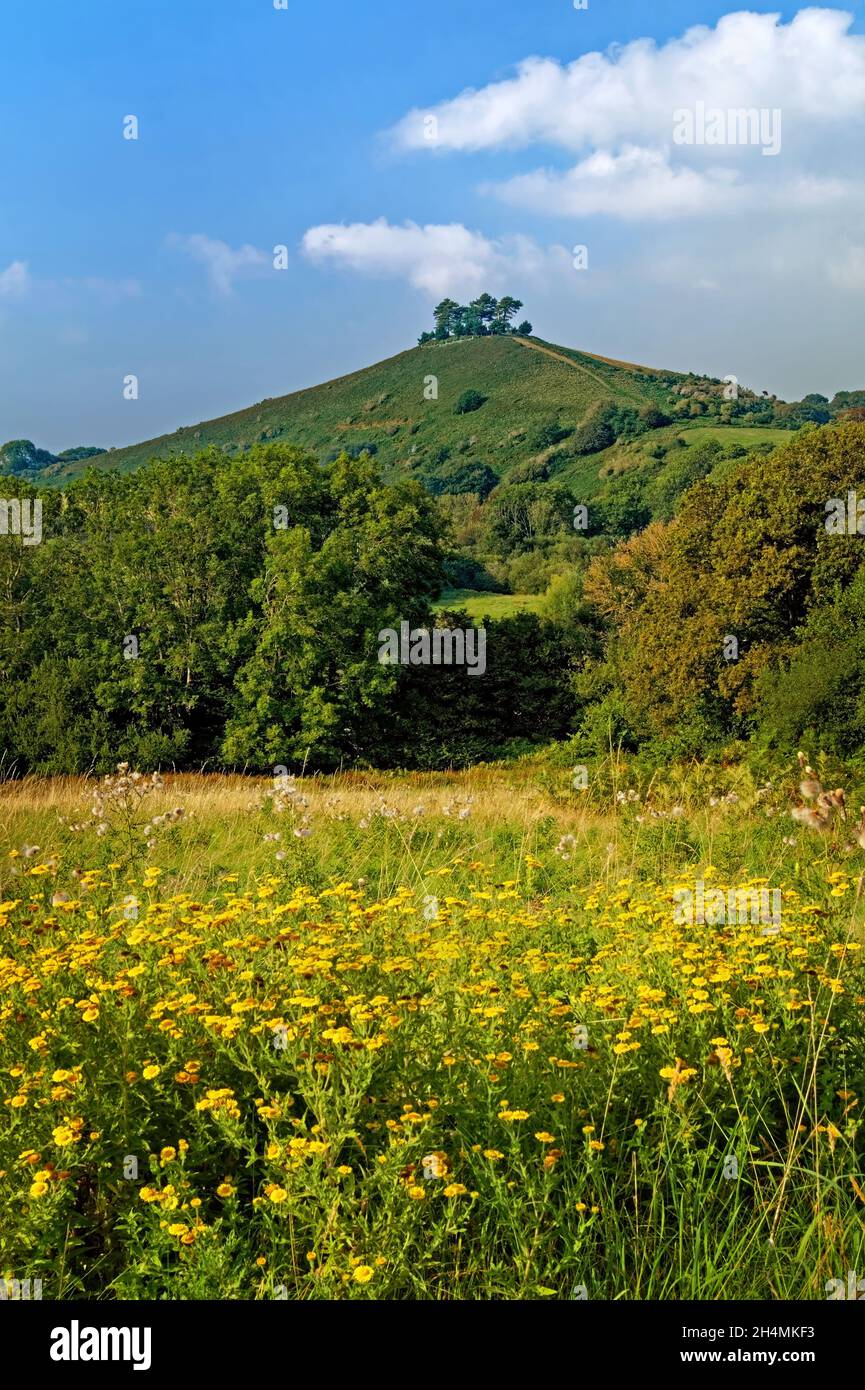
(430, 1036)
(480, 604)
(749, 436)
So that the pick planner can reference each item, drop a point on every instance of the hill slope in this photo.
(526, 382)
(539, 409)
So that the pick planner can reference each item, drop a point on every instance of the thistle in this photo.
(810, 787)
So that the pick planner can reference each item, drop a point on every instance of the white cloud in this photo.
(438, 259)
(618, 111)
(812, 68)
(14, 280)
(635, 184)
(725, 260)
(222, 263)
(644, 185)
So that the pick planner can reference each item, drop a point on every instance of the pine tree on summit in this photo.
(484, 315)
(506, 309)
(482, 311)
(444, 317)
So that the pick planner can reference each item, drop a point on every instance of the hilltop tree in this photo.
(444, 317)
(506, 309)
(484, 315)
(22, 456)
(482, 312)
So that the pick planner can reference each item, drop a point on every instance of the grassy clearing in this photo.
(480, 604)
(749, 436)
(430, 1036)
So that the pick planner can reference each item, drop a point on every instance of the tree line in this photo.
(743, 617)
(225, 612)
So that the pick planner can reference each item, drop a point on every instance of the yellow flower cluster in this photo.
(324, 1053)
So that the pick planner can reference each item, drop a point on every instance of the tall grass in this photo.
(449, 1040)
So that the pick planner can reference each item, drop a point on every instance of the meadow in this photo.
(428, 1036)
(479, 604)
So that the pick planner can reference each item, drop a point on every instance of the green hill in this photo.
(537, 409)
(526, 383)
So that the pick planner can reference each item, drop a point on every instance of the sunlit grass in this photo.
(425, 1037)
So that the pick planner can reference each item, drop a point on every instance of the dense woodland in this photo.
(225, 612)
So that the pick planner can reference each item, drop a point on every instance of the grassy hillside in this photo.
(623, 456)
(526, 381)
(536, 417)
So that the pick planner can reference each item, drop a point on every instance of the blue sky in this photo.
(261, 127)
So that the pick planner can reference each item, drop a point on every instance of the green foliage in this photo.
(482, 317)
(352, 451)
(682, 471)
(653, 418)
(607, 726)
(550, 433)
(518, 515)
(623, 507)
(592, 436)
(448, 718)
(564, 603)
(747, 555)
(228, 611)
(357, 557)
(22, 456)
(815, 696)
(463, 571)
(456, 477)
(81, 452)
(624, 421)
(846, 400)
(532, 471)
(469, 400)
(253, 642)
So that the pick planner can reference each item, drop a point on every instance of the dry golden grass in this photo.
(497, 794)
